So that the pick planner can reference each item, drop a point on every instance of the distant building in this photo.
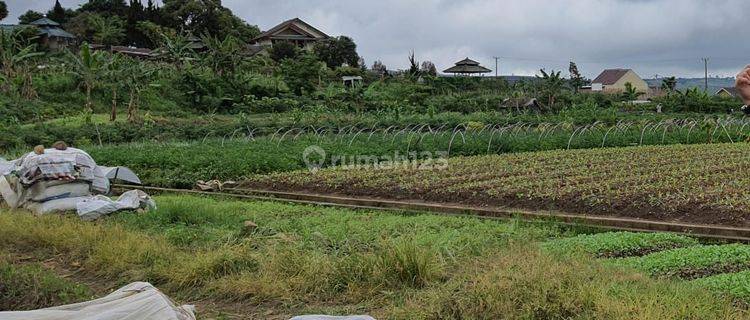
(614, 80)
(467, 67)
(51, 34)
(294, 31)
(727, 92)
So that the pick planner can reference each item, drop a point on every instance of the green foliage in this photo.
(283, 50)
(695, 100)
(3, 10)
(337, 51)
(301, 74)
(30, 16)
(619, 244)
(692, 262)
(552, 85)
(88, 68)
(736, 285)
(630, 93)
(16, 55)
(206, 17)
(107, 31)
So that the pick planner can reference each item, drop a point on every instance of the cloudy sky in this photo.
(664, 37)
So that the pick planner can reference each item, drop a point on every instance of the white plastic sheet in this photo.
(136, 301)
(94, 207)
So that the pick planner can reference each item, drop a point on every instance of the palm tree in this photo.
(669, 84)
(88, 67)
(630, 93)
(552, 85)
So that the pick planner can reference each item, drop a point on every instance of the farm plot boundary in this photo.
(725, 233)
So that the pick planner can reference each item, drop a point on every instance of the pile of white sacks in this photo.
(56, 180)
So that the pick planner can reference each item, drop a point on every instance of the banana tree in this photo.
(15, 55)
(552, 85)
(89, 68)
(140, 76)
(114, 72)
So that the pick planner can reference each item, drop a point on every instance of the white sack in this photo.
(57, 205)
(94, 207)
(44, 191)
(8, 194)
(322, 317)
(136, 301)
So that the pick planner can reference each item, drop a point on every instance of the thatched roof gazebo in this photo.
(467, 67)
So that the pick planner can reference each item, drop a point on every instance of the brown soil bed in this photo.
(692, 213)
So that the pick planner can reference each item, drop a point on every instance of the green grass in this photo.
(31, 286)
(692, 262)
(306, 259)
(619, 244)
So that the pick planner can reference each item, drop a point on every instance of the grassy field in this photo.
(693, 183)
(304, 259)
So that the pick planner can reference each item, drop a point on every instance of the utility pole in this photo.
(496, 58)
(705, 69)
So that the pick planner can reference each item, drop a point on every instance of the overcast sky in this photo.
(664, 37)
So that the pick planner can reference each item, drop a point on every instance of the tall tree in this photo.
(413, 65)
(58, 13)
(576, 80)
(337, 51)
(669, 84)
(3, 10)
(301, 74)
(29, 17)
(379, 68)
(109, 31)
(206, 17)
(106, 8)
(428, 68)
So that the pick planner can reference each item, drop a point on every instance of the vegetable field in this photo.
(695, 183)
(243, 153)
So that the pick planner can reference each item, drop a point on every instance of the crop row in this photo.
(696, 183)
(692, 262)
(724, 269)
(619, 244)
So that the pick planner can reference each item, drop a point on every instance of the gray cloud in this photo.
(665, 37)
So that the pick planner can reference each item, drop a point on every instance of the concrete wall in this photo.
(633, 78)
